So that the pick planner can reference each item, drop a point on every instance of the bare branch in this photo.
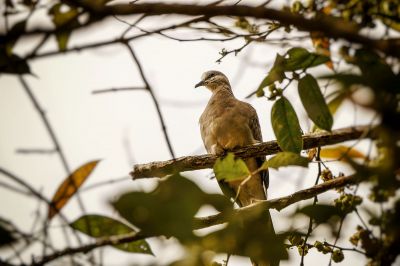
(153, 97)
(329, 26)
(117, 90)
(189, 163)
(52, 135)
(113, 240)
(36, 151)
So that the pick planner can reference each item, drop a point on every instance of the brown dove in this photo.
(228, 123)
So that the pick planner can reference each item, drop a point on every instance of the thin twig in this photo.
(153, 97)
(309, 230)
(113, 240)
(38, 195)
(117, 90)
(53, 138)
(36, 151)
(346, 249)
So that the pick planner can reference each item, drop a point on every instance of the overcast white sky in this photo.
(123, 128)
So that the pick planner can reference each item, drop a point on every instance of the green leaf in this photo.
(230, 169)
(102, 226)
(286, 158)
(64, 19)
(297, 58)
(286, 126)
(320, 213)
(169, 209)
(300, 58)
(314, 102)
(275, 74)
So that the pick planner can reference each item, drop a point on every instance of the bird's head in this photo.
(213, 79)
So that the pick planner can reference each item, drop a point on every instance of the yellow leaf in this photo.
(339, 152)
(69, 187)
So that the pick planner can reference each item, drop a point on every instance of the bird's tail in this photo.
(273, 259)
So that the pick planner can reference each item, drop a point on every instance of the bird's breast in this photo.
(225, 130)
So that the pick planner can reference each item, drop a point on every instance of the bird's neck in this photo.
(222, 91)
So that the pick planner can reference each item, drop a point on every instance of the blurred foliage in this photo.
(102, 226)
(344, 69)
(286, 158)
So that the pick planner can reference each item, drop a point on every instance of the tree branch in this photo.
(282, 202)
(189, 163)
(113, 240)
(153, 97)
(330, 26)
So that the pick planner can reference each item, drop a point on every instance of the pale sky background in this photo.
(123, 128)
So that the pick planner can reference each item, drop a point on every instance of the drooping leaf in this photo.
(341, 152)
(275, 74)
(286, 126)
(169, 209)
(314, 102)
(320, 213)
(101, 226)
(69, 187)
(299, 58)
(61, 19)
(13, 64)
(230, 169)
(286, 158)
(295, 59)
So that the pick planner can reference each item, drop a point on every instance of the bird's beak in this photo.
(201, 83)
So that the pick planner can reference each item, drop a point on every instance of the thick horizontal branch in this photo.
(189, 163)
(328, 25)
(280, 203)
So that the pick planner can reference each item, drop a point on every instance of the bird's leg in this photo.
(219, 150)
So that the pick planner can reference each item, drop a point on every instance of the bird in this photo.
(226, 124)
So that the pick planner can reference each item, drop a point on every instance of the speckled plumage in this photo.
(229, 123)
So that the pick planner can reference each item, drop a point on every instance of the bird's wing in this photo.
(254, 125)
